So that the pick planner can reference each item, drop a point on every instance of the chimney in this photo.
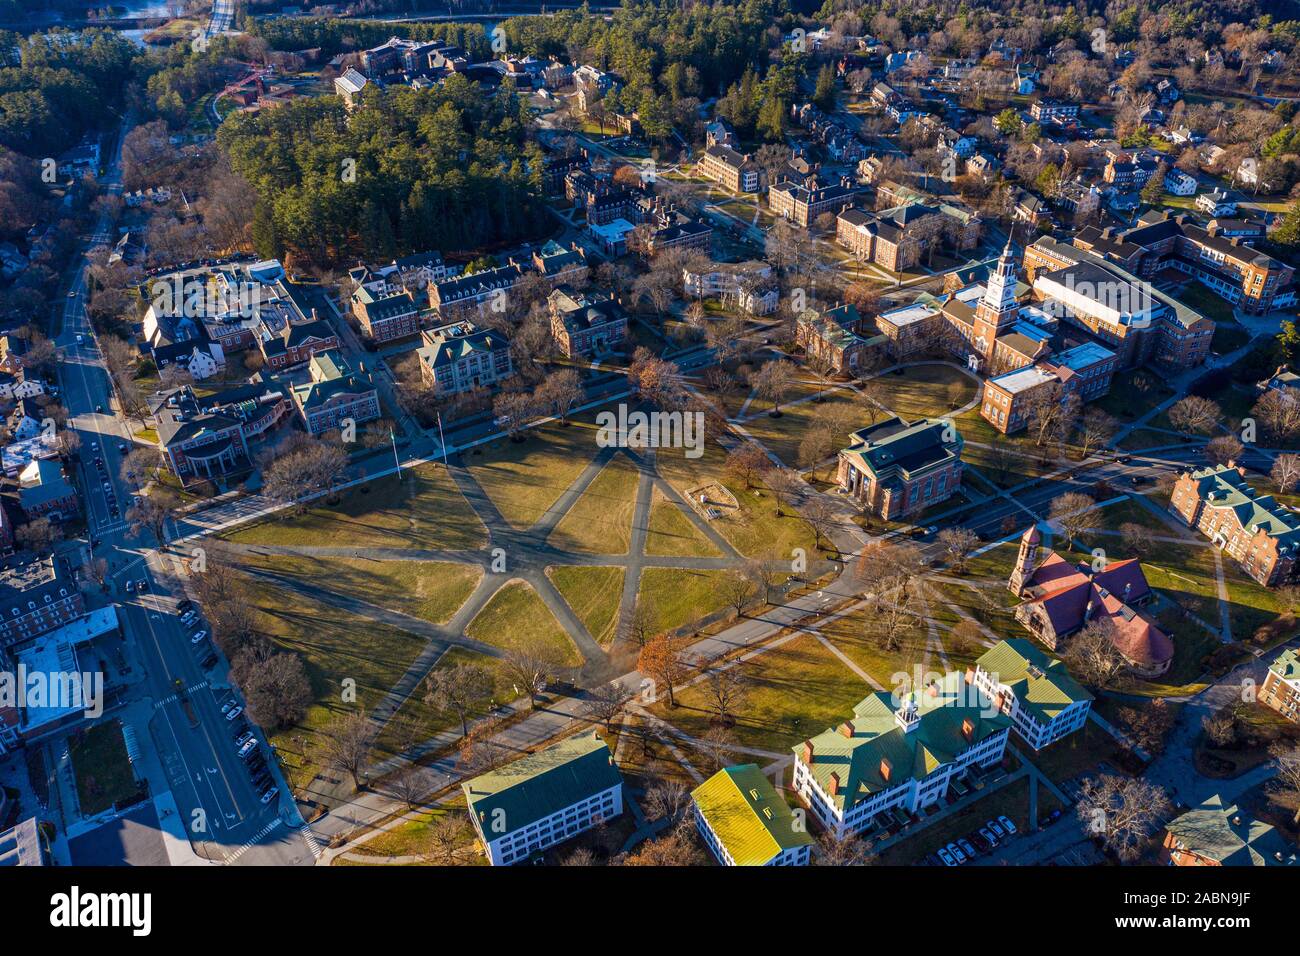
(1128, 586)
(1236, 820)
(932, 689)
(808, 752)
(886, 768)
(835, 783)
(968, 729)
(314, 316)
(846, 729)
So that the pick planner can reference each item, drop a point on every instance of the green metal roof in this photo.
(747, 815)
(1221, 831)
(860, 750)
(540, 784)
(1041, 683)
(1287, 665)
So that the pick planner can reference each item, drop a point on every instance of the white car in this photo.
(247, 747)
(955, 850)
(996, 827)
(234, 713)
(1007, 825)
(947, 858)
(269, 795)
(198, 637)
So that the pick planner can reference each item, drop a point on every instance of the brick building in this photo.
(1253, 529)
(586, 325)
(895, 469)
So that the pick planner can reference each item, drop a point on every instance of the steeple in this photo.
(1023, 570)
(1000, 297)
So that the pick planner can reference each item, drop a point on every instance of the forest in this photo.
(447, 168)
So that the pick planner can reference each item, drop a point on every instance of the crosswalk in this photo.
(231, 858)
(159, 705)
(312, 843)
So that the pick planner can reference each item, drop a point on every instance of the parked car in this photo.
(198, 637)
(967, 848)
(247, 748)
(234, 713)
(1007, 824)
(947, 858)
(209, 662)
(957, 852)
(244, 738)
(989, 836)
(996, 829)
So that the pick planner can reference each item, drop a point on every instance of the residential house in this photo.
(1216, 204)
(586, 325)
(746, 286)
(1010, 399)
(37, 595)
(334, 395)
(44, 491)
(1281, 688)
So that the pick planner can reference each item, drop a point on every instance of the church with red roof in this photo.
(1061, 599)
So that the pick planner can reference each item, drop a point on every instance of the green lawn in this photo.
(600, 521)
(926, 391)
(412, 836)
(782, 435)
(344, 654)
(594, 594)
(1076, 754)
(680, 595)
(757, 529)
(524, 479)
(417, 721)
(101, 767)
(426, 510)
(670, 533)
(798, 690)
(431, 590)
(517, 617)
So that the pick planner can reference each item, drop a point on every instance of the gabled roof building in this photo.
(543, 799)
(898, 753)
(895, 469)
(744, 821)
(1036, 691)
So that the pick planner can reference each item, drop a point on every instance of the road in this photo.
(210, 784)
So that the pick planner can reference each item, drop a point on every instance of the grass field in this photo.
(101, 767)
(670, 533)
(524, 479)
(517, 617)
(425, 510)
(600, 521)
(593, 593)
(416, 721)
(757, 529)
(782, 435)
(925, 391)
(335, 647)
(798, 690)
(431, 590)
(680, 595)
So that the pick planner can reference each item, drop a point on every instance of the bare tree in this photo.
(1221, 726)
(643, 620)
(1286, 473)
(821, 515)
(773, 382)
(1195, 414)
(1278, 411)
(346, 742)
(1137, 538)
(1070, 512)
(458, 690)
(667, 800)
(530, 667)
(1095, 428)
(736, 588)
(152, 512)
(1123, 812)
(1093, 658)
(842, 850)
(1286, 755)
(605, 702)
(958, 545)
(1222, 449)
(409, 786)
(726, 687)
(748, 462)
